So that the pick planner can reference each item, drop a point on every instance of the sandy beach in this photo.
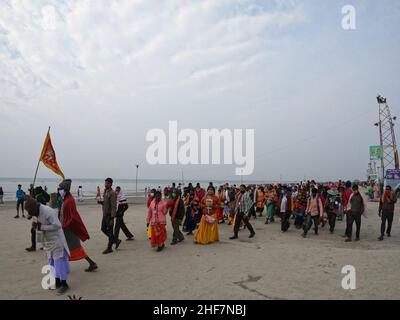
(272, 265)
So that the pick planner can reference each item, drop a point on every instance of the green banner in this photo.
(375, 152)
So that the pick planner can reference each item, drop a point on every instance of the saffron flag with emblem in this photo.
(48, 156)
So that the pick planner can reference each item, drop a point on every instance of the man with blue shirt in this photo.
(20, 194)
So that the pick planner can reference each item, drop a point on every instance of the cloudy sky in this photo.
(103, 73)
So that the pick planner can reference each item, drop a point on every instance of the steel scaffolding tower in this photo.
(390, 156)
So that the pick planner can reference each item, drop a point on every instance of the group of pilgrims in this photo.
(199, 213)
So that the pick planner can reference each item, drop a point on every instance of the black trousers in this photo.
(332, 221)
(33, 237)
(285, 224)
(239, 217)
(120, 224)
(389, 217)
(177, 235)
(107, 226)
(351, 218)
(252, 212)
(309, 221)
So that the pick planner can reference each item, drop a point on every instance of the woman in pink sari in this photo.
(156, 220)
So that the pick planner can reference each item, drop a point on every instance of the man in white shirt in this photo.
(285, 208)
(55, 245)
(122, 206)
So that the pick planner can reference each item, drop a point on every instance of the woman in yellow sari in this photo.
(208, 227)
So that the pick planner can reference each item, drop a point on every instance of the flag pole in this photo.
(37, 168)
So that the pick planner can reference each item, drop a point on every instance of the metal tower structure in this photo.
(390, 156)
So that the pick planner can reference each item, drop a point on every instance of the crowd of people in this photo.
(304, 205)
(196, 211)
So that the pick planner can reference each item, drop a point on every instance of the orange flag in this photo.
(48, 156)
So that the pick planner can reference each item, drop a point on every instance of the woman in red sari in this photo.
(156, 219)
(208, 227)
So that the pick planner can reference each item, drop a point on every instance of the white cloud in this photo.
(127, 66)
(88, 43)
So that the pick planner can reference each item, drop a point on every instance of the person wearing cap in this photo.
(355, 209)
(208, 226)
(386, 210)
(73, 227)
(243, 205)
(55, 244)
(109, 205)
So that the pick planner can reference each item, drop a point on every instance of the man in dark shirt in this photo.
(109, 204)
(386, 210)
(356, 208)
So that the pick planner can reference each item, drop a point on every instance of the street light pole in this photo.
(137, 169)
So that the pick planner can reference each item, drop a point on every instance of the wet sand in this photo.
(272, 265)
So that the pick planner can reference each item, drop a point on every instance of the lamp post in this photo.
(137, 169)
